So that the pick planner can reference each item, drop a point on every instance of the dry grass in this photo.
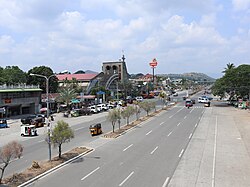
(39, 168)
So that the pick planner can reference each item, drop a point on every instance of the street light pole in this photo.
(47, 102)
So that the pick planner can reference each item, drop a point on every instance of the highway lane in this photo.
(145, 156)
(35, 148)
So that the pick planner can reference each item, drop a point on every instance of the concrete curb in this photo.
(55, 168)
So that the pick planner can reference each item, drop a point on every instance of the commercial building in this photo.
(18, 100)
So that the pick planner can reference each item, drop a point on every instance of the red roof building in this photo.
(82, 79)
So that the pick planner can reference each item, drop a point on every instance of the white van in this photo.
(203, 100)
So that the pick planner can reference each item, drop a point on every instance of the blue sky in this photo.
(184, 36)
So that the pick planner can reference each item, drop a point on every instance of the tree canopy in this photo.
(235, 82)
(45, 71)
(62, 133)
(12, 75)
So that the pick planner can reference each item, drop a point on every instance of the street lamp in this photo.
(47, 101)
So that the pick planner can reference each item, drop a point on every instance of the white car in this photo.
(203, 100)
(110, 106)
(102, 107)
(139, 98)
(93, 109)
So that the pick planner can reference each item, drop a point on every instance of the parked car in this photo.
(139, 98)
(102, 107)
(32, 118)
(93, 109)
(110, 106)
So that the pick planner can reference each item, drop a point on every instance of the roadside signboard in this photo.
(153, 63)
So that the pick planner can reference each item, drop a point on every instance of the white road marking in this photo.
(166, 182)
(176, 112)
(215, 147)
(154, 150)
(191, 110)
(161, 123)
(178, 124)
(190, 135)
(128, 147)
(181, 153)
(179, 110)
(196, 124)
(90, 173)
(126, 178)
(148, 132)
(41, 141)
(185, 117)
(170, 133)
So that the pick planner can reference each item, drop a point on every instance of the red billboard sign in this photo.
(153, 63)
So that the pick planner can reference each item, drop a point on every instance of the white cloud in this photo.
(241, 4)
(6, 44)
(183, 35)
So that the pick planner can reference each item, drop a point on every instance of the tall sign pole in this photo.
(153, 65)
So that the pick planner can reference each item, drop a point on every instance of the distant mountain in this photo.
(90, 72)
(135, 76)
(191, 76)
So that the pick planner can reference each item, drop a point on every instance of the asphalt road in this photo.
(145, 156)
(36, 148)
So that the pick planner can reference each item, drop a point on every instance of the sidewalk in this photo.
(218, 153)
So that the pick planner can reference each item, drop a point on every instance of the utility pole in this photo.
(47, 102)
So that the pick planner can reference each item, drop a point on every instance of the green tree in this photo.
(163, 98)
(235, 82)
(2, 80)
(9, 151)
(46, 71)
(137, 111)
(12, 75)
(62, 133)
(146, 106)
(127, 113)
(153, 105)
(113, 117)
(229, 67)
(126, 88)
